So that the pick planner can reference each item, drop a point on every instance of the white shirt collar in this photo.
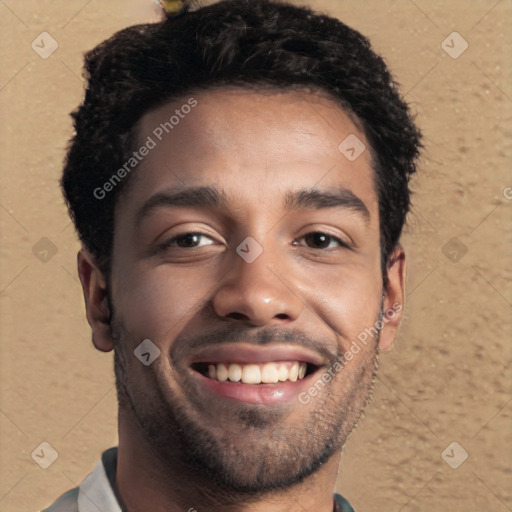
(95, 493)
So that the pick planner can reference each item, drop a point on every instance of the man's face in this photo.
(213, 304)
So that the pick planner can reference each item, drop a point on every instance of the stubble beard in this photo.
(252, 451)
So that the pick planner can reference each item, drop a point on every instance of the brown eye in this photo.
(320, 240)
(188, 240)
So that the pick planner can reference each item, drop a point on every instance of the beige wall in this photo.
(448, 377)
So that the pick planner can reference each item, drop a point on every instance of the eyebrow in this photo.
(338, 197)
(214, 198)
(204, 196)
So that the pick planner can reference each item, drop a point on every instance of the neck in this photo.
(144, 482)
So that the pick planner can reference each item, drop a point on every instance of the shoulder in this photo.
(68, 502)
(96, 487)
(341, 504)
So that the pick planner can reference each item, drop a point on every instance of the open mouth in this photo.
(246, 373)
(250, 373)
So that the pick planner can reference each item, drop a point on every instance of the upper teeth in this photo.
(267, 373)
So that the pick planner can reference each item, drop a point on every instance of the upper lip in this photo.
(245, 353)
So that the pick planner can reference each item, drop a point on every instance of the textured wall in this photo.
(448, 377)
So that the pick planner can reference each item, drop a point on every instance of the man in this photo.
(239, 181)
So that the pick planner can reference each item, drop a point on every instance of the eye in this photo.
(321, 240)
(187, 240)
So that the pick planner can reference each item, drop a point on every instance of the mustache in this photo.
(183, 346)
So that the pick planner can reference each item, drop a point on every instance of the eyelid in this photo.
(167, 242)
(186, 228)
(342, 236)
(342, 243)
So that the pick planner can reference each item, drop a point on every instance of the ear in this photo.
(94, 286)
(394, 296)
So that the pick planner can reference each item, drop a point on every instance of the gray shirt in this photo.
(96, 492)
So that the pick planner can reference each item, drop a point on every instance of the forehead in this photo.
(253, 145)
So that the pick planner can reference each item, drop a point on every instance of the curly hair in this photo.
(246, 43)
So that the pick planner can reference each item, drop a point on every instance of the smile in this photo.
(254, 374)
(267, 373)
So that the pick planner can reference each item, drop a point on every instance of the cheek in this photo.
(348, 301)
(157, 304)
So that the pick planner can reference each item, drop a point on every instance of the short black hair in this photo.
(247, 43)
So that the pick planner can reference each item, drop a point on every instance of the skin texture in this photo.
(179, 446)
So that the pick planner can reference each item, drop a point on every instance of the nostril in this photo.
(236, 316)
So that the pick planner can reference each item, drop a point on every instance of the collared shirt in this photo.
(96, 492)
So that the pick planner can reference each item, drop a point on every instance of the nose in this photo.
(258, 293)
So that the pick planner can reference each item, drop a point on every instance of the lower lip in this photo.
(258, 394)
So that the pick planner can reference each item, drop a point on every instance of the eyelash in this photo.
(169, 243)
